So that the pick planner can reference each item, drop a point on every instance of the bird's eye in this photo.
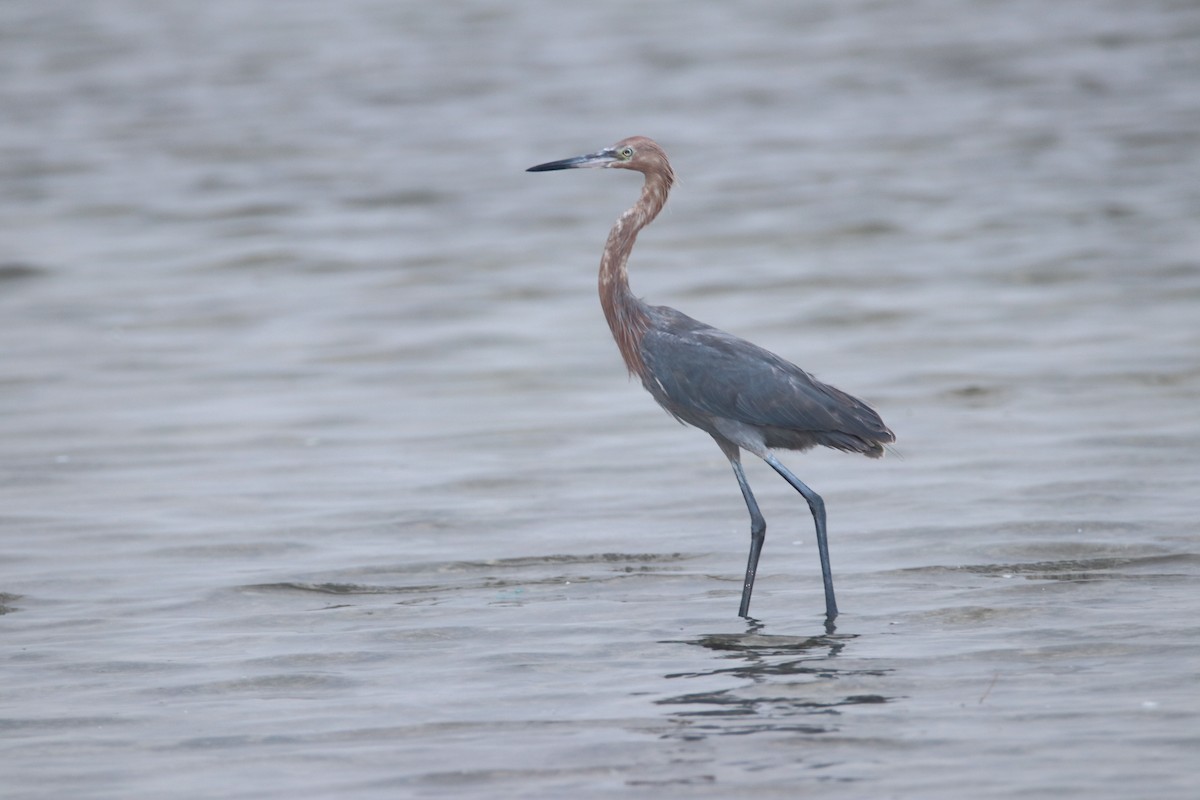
(627, 153)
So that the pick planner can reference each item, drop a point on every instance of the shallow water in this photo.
(322, 477)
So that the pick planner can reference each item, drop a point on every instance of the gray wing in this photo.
(698, 369)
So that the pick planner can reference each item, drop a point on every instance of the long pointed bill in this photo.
(601, 159)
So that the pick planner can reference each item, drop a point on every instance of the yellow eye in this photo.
(626, 153)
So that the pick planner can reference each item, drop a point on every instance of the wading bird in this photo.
(745, 397)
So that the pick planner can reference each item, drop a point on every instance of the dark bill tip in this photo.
(549, 166)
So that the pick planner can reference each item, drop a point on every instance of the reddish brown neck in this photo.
(626, 314)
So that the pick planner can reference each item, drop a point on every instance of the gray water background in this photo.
(321, 477)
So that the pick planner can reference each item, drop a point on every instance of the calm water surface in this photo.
(322, 478)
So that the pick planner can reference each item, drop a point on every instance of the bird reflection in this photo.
(789, 684)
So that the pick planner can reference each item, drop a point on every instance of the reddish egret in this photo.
(743, 396)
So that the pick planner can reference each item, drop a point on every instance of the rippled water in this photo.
(322, 478)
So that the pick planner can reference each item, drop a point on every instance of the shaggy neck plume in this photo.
(626, 314)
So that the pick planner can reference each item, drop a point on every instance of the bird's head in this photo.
(637, 153)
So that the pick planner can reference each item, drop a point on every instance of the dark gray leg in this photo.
(817, 505)
(758, 534)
